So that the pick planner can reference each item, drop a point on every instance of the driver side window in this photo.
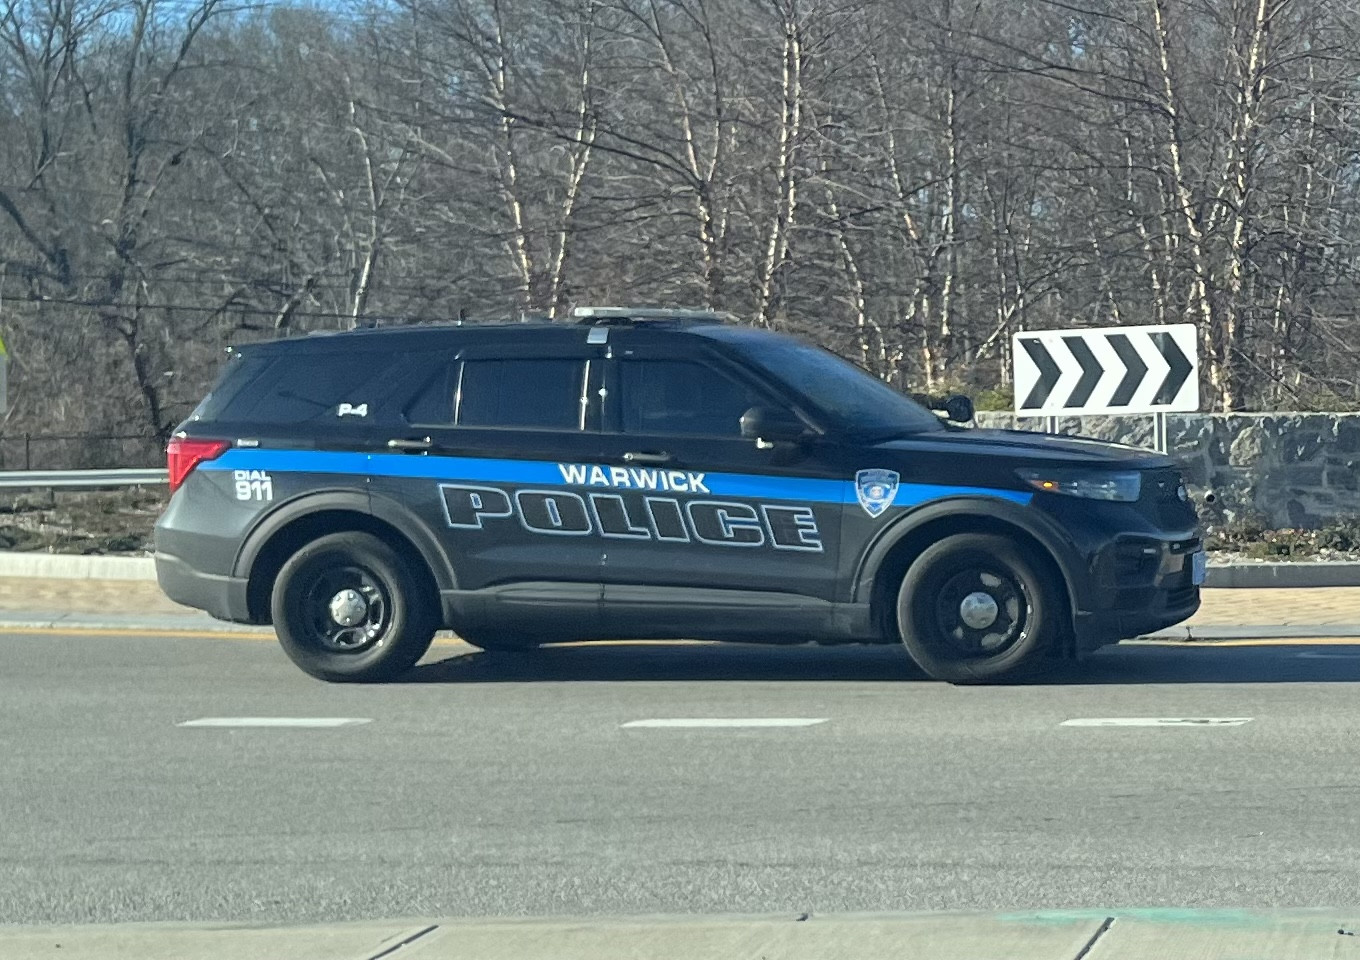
(682, 398)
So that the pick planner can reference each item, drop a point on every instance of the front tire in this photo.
(976, 607)
(348, 608)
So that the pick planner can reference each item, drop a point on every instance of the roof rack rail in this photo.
(621, 316)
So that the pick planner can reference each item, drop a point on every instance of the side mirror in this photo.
(771, 425)
(959, 409)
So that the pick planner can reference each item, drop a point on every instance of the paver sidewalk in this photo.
(1321, 606)
(114, 597)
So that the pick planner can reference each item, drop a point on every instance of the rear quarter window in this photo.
(238, 373)
(301, 388)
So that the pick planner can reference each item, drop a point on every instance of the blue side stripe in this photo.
(546, 473)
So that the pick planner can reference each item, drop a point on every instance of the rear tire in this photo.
(348, 608)
(977, 607)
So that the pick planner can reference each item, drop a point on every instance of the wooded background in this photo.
(907, 182)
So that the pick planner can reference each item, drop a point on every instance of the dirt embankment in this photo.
(102, 522)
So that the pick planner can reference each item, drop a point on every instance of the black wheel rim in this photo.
(346, 610)
(980, 612)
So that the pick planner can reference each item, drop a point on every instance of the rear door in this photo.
(705, 529)
(484, 441)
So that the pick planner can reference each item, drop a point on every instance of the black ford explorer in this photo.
(649, 474)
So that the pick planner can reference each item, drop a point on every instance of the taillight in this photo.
(182, 454)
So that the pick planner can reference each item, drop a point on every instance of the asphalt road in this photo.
(507, 784)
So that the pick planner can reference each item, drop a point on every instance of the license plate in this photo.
(1199, 567)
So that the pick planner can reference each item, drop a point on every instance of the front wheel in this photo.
(975, 607)
(349, 608)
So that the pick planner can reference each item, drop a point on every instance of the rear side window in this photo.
(300, 388)
(526, 394)
(530, 393)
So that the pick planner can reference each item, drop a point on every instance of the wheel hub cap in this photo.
(349, 608)
(979, 610)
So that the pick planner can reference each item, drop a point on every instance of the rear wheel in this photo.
(976, 607)
(348, 608)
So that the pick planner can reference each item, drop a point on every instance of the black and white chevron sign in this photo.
(1152, 369)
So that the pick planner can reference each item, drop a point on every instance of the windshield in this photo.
(854, 399)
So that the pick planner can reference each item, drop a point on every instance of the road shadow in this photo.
(1210, 663)
(1120, 665)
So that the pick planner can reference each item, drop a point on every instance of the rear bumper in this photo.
(223, 597)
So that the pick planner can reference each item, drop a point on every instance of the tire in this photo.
(497, 642)
(1000, 578)
(395, 618)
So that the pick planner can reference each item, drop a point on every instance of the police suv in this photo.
(649, 474)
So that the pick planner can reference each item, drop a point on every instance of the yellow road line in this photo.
(167, 634)
(125, 632)
(256, 637)
(1272, 642)
(631, 643)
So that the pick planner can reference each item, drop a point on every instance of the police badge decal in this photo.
(875, 489)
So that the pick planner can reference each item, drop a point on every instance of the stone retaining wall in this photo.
(1297, 470)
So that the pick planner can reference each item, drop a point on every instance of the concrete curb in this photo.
(1300, 575)
(1038, 935)
(58, 566)
(1288, 631)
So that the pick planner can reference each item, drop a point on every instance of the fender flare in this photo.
(1047, 534)
(353, 501)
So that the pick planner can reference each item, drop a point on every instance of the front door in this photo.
(703, 528)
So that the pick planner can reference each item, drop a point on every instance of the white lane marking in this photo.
(1309, 655)
(275, 722)
(1156, 722)
(709, 722)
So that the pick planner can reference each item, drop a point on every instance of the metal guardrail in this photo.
(74, 479)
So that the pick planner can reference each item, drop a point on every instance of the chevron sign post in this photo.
(1103, 370)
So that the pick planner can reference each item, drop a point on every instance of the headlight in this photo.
(1124, 485)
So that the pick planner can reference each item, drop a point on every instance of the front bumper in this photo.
(1139, 585)
(1098, 629)
(223, 597)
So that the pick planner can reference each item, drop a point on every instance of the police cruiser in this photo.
(649, 474)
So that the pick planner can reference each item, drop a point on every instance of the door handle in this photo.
(642, 456)
(424, 443)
